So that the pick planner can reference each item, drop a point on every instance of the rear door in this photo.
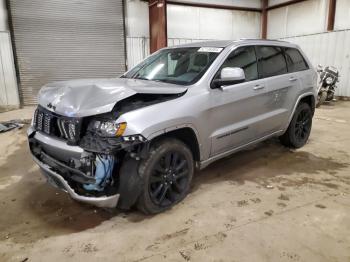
(297, 66)
(282, 87)
(236, 109)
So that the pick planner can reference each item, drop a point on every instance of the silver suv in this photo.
(136, 140)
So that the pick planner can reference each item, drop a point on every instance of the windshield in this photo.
(181, 66)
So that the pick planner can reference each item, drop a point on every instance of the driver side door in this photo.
(237, 109)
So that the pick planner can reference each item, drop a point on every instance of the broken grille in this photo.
(67, 129)
(54, 125)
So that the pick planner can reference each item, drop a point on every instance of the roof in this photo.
(225, 43)
(211, 43)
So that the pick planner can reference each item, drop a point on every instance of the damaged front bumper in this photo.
(57, 180)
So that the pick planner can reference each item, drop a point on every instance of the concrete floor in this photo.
(267, 203)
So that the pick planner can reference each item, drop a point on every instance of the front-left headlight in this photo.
(329, 80)
(108, 128)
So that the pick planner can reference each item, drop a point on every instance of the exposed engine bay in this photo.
(96, 170)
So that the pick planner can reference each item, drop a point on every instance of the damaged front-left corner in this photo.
(104, 166)
(91, 174)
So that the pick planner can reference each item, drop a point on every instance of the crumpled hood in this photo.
(85, 97)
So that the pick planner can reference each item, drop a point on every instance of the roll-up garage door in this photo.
(66, 39)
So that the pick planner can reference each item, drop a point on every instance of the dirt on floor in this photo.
(266, 203)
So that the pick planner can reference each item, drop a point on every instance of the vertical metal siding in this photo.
(180, 41)
(8, 84)
(65, 39)
(330, 48)
(137, 50)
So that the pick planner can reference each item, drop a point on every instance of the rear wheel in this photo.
(299, 128)
(167, 174)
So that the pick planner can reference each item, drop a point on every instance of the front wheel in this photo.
(167, 174)
(321, 98)
(299, 128)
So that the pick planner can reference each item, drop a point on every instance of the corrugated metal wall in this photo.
(201, 24)
(66, 39)
(331, 48)
(180, 41)
(211, 23)
(306, 17)
(137, 50)
(137, 31)
(241, 3)
(8, 84)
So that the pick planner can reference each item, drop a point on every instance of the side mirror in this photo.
(229, 76)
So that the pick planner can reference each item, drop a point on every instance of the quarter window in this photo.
(271, 61)
(295, 60)
(243, 57)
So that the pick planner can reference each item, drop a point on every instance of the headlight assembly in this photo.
(329, 80)
(108, 128)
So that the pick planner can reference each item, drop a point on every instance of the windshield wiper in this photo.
(142, 78)
(170, 81)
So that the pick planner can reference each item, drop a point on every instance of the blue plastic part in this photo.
(103, 172)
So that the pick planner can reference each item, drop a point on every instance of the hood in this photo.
(85, 97)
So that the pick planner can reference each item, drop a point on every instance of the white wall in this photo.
(305, 24)
(136, 18)
(195, 23)
(307, 17)
(332, 49)
(8, 84)
(137, 31)
(276, 2)
(241, 3)
(187, 24)
(342, 17)
(3, 16)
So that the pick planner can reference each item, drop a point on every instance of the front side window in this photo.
(181, 66)
(243, 57)
(271, 61)
(295, 60)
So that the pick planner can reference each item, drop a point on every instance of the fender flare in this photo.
(178, 127)
(297, 103)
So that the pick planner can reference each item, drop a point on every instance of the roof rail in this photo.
(260, 39)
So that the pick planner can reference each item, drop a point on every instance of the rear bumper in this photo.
(58, 181)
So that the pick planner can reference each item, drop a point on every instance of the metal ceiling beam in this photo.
(238, 8)
(291, 2)
(215, 6)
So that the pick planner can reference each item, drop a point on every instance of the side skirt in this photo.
(205, 163)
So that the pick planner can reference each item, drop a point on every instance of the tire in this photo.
(130, 183)
(321, 98)
(167, 174)
(299, 129)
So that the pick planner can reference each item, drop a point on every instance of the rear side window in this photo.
(295, 60)
(271, 61)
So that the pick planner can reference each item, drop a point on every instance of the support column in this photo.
(157, 24)
(264, 6)
(331, 14)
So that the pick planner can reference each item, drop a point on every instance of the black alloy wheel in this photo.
(299, 128)
(169, 178)
(303, 125)
(167, 174)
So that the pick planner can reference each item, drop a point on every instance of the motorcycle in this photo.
(329, 76)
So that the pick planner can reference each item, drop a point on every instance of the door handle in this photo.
(292, 79)
(257, 87)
